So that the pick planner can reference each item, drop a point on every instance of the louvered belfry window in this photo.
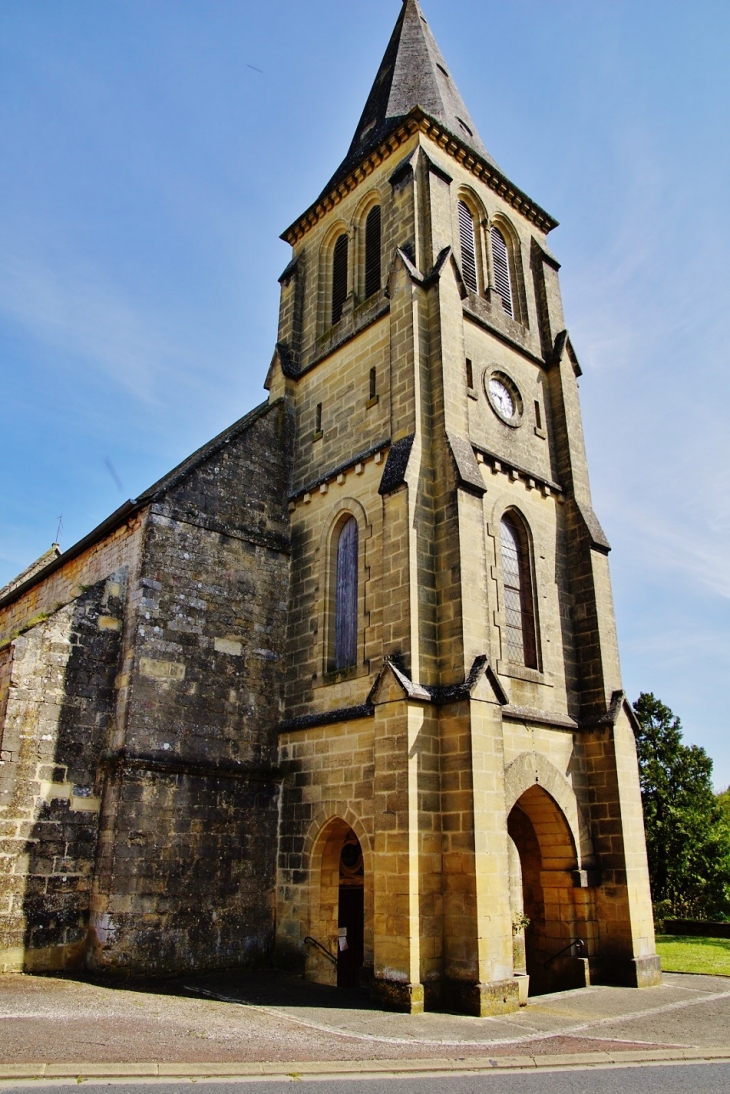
(518, 599)
(372, 251)
(346, 596)
(468, 241)
(339, 277)
(502, 276)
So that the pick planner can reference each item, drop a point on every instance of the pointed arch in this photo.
(507, 272)
(343, 584)
(321, 854)
(340, 275)
(502, 272)
(326, 274)
(346, 595)
(533, 769)
(518, 589)
(468, 248)
(373, 251)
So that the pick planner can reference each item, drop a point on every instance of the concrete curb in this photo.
(11, 1074)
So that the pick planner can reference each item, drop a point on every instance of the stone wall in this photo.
(185, 877)
(59, 705)
(139, 782)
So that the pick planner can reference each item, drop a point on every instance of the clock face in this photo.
(502, 398)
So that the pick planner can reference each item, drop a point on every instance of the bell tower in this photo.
(453, 702)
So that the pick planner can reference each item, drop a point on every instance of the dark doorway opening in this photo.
(350, 914)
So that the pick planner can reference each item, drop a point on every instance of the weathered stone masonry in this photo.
(140, 787)
(187, 762)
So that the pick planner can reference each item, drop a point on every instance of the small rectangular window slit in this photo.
(539, 430)
(373, 396)
(469, 374)
(318, 422)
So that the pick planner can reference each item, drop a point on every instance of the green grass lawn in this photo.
(686, 953)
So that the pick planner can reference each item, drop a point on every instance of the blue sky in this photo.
(153, 150)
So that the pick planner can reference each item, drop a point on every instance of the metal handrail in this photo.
(325, 951)
(573, 942)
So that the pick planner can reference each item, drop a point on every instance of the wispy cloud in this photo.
(72, 306)
(675, 544)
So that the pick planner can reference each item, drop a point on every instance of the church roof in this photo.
(412, 73)
(415, 90)
(53, 560)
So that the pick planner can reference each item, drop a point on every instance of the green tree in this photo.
(687, 837)
(723, 800)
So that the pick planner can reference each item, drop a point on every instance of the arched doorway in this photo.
(337, 912)
(546, 917)
(350, 913)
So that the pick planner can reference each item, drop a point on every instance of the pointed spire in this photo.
(412, 73)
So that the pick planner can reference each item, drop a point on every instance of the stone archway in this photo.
(337, 917)
(543, 863)
(532, 768)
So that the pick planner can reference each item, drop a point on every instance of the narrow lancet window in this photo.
(518, 598)
(346, 597)
(339, 277)
(502, 276)
(372, 251)
(467, 237)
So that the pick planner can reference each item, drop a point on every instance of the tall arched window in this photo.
(467, 238)
(519, 604)
(339, 277)
(346, 596)
(372, 251)
(502, 275)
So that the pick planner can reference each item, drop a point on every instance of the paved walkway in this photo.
(268, 1023)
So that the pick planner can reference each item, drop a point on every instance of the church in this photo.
(341, 693)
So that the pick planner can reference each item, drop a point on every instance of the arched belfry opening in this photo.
(549, 914)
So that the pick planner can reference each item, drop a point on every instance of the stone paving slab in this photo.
(654, 1015)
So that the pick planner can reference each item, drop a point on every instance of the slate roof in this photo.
(412, 73)
(54, 560)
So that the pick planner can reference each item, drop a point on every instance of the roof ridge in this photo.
(128, 509)
(173, 477)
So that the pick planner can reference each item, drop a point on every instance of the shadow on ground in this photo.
(253, 987)
(273, 988)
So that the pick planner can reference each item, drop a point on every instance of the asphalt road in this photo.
(667, 1079)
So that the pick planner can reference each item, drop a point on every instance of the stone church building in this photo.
(342, 691)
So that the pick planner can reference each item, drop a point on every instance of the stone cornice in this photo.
(539, 717)
(499, 465)
(328, 718)
(340, 469)
(418, 121)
